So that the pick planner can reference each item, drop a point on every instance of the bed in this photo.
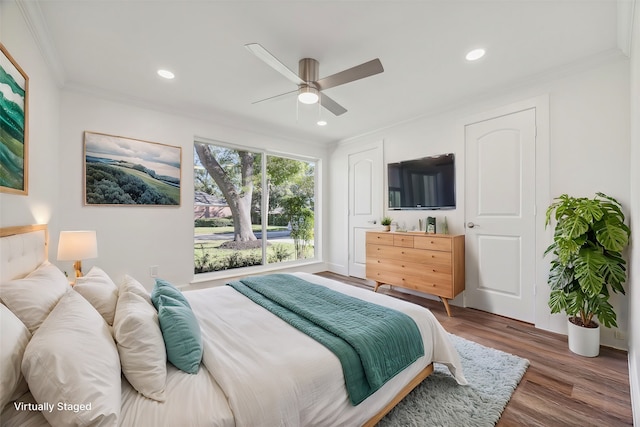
(255, 369)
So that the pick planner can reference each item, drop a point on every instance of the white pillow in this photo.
(14, 337)
(72, 360)
(140, 344)
(132, 285)
(33, 297)
(98, 288)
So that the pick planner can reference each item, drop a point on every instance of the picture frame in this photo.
(431, 225)
(121, 171)
(14, 126)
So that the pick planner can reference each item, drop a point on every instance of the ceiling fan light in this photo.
(166, 74)
(308, 95)
(475, 54)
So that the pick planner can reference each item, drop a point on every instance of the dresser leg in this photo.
(446, 305)
(378, 284)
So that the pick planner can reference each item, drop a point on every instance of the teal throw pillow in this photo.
(181, 333)
(165, 288)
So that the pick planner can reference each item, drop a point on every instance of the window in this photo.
(251, 208)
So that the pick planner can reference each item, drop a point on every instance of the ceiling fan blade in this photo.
(276, 96)
(355, 73)
(331, 105)
(273, 62)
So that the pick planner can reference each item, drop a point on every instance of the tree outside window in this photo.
(233, 187)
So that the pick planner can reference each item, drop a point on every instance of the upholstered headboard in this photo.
(22, 249)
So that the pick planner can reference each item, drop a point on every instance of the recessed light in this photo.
(322, 123)
(166, 74)
(475, 54)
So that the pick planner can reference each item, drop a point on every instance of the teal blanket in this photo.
(373, 342)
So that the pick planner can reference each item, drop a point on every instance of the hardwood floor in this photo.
(559, 388)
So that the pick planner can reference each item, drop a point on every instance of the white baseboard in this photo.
(338, 268)
(634, 384)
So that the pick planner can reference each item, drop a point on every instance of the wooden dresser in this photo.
(429, 263)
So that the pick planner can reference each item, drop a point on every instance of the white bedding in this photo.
(275, 375)
(259, 371)
(194, 400)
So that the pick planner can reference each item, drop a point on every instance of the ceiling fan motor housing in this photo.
(309, 69)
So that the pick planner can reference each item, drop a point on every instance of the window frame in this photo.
(317, 209)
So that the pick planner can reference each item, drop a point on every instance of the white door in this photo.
(365, 203)
(500, 215)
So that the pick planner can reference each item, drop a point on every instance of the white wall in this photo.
(634, 220)
(133, 238)
(589, 150)
(38, 205)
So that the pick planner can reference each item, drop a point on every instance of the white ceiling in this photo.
(114, 48)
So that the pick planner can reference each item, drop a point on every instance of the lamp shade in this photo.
(77, 245)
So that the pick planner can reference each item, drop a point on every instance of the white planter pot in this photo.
(584, 341)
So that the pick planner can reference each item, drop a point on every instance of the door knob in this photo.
(372, 222)
(471, 225)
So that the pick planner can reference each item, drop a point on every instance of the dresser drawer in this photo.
(432, 243)
(403, 241)
(441, 259)
(380, 238)
(432, 287)
(428, 273)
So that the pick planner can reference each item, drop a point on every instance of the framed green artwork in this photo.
(14, 129)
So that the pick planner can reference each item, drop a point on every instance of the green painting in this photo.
(126, 171)
(14, 152)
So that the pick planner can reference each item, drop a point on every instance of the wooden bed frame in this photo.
(23, 229)
(403, 393)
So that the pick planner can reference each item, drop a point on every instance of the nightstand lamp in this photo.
(76, 246)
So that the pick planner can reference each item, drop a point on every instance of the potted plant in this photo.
(588, 239)
(386, 222)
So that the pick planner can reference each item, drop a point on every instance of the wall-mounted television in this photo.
(425, 183)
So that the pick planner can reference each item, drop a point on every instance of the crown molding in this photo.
(37, 25)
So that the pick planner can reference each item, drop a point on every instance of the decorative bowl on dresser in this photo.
(429, 263)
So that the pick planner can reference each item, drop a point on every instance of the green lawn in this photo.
(199, 231)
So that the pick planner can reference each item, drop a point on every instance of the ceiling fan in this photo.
(309, 86)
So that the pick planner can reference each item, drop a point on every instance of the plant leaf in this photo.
(589, 210)
(614, 272)
(604, 310)
(573, 226)
(557, 301)
(610, 235)
(588, 266)
(560, 277)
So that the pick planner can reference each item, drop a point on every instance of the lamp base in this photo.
(78, 267)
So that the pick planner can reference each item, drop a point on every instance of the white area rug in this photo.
(439, 401)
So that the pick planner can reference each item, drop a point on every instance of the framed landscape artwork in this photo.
(14, 129)
(126, 171)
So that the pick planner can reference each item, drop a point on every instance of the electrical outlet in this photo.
(618, 334)
(153, 271)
